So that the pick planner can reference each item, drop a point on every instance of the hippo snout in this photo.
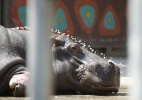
(102, 77)
(107, 73)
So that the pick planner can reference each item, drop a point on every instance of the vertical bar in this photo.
(135, 46)
(39, 12)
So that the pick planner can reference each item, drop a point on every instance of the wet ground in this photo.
(121, 95)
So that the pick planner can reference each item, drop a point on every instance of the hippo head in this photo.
(78, 69)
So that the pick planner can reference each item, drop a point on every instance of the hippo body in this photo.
(12, 56)
(75, 68)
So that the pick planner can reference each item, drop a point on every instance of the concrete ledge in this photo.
(125, 83)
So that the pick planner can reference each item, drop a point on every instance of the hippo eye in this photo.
(76, 49)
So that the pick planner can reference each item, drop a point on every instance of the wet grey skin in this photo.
(75, 68)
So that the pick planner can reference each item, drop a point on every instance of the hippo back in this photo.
(12, 53)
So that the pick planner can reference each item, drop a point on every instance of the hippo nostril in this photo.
(19, 90)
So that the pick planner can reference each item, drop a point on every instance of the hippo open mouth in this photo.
(82, 70)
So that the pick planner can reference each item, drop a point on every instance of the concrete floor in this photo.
(121, 95)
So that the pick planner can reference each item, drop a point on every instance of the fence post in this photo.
(135, 46)
(39, 50)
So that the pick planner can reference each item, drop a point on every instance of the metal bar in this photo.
(39, 61)
(135, 46)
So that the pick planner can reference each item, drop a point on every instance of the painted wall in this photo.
(99, 23)
(15, 13)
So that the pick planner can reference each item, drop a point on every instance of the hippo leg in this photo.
(19, 82)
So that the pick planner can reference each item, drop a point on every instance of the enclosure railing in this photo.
(39, 61)
(135, 47)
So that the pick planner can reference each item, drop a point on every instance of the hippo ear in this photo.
(57, 42)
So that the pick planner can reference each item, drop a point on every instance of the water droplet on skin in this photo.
(22, 28)
(63, 34)
(17, 28)
(79, 40)
(56, 30)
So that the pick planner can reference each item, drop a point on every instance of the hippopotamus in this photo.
(75, 68)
